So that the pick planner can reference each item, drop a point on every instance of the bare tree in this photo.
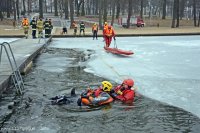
(56, 7)
(17, 7)
(100, 13)
(24, 7)
(8, 8)
(78, 5)
(194, 12)
(41, 8)
(113, 11)
(66, 9)
(83, 8)
(141, 8)
(177, 13)
(71, 6)
(105, 13)
(130, 8)
(118, 8)
(182, 7)
(174, 14)
(164, 9)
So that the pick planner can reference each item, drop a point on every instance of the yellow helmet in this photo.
(105, 23)
(107, 86)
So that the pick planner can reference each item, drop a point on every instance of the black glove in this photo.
(112, 91)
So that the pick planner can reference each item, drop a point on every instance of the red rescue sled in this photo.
(115, 50)
(118, 51)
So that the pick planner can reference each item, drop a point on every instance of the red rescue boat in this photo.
(118, 51)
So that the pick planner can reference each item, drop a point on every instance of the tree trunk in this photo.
(182, 7)
(199, 20)
(164, 9)
(118, 9)
(105, 13)
(78, 5)
(100, 14)
(14, 8)
(130, 8)
(66, 9)
(83, 8)
(45, 5)
(177, 13)
(194, 12)
(71, 6)
(56, 7)
(17, 7)
(24, 7)
(141, 10)
(8, 8)
(174, 15)
(41, 8)
(113, 12)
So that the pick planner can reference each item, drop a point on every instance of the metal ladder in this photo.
(16, 75)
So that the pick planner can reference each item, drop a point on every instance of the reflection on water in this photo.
(143, 116)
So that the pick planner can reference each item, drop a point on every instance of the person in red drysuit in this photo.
(124, 92)
(108, 34)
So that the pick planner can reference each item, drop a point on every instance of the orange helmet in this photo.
(128, 82)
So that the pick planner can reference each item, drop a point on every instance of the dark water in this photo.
(35, 114)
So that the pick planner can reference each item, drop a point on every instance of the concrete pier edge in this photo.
(7, 82)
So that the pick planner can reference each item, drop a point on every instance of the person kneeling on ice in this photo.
(124, 92)
(109, 33)
(96, 97)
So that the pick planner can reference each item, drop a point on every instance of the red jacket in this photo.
(127, 94)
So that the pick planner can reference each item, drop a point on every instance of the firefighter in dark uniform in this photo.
(46, 28)
(82, 28)
(34, 26)
(50, 27)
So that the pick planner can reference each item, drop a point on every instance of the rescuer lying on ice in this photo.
(96, 97)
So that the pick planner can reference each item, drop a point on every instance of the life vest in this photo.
(74, 25)
(96, 93)
(94, 27)
(82, 26)
(109, 32)
(25, 22)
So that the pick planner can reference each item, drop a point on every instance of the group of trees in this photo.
(104, 9)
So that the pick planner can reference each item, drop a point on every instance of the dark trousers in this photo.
(34, 33)
(94, 34)
(46, 33)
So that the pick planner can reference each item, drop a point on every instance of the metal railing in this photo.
(16, 75)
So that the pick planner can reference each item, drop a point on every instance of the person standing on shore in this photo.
(95, 30)
(25, 24)
(40, 28)
(82, 28)
(74, 25)
(34, 26)
(46, 28)
(50, 27)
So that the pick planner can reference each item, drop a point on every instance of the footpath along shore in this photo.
(10, 32)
